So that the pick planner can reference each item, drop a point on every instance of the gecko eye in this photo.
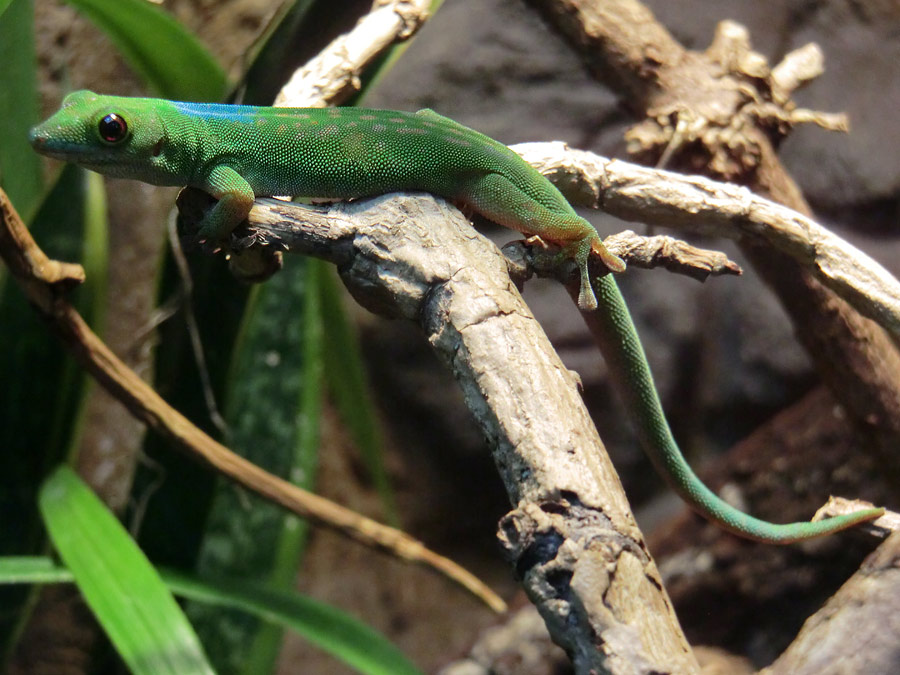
(113, 128)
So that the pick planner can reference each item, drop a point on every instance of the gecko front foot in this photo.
(213, 238)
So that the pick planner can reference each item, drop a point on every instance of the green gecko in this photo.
(238, 153)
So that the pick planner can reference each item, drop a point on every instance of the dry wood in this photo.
(364, 245)
(674, 255)
(334, 74)
(718, 113)
(868, 606)
(571, 536)
(519, 645)
(732, 592)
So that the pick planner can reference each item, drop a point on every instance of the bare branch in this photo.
(521, 639)
(656, 197)
(866, 607)
(679, 94)
(333, 75)
(526, 258)
(670, 253)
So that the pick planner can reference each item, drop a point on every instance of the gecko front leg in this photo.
(235, 199)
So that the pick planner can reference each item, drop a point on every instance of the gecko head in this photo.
(113, 135)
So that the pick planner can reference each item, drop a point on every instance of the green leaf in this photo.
(20, 167)
(266, 646)
(28, 569)
(346, 378)
(333, 630)
(95, 250)
(125, 593)
(168, 57)
(272, 411)
(75, 387)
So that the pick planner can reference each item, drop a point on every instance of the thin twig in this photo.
(636, 250)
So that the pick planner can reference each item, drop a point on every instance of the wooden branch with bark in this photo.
(696, 204)
(334, 74)
(571, 537)
(867, 604)
(733, 127)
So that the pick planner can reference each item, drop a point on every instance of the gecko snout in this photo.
(35, 138)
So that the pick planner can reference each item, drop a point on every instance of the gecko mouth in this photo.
(48, 146)
(56, 148)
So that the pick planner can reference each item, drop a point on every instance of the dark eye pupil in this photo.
(113, 128)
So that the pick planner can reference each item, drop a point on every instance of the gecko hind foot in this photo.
(581, 252)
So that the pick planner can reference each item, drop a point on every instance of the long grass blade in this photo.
(123, 590)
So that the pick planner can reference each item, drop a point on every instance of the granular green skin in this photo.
(237, 153)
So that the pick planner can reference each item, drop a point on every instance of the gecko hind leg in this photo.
(580, 251)
(499, 199)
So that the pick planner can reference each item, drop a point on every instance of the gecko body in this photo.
(238, 153)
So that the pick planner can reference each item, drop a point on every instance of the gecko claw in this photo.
(587, 301)
(210, 246)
